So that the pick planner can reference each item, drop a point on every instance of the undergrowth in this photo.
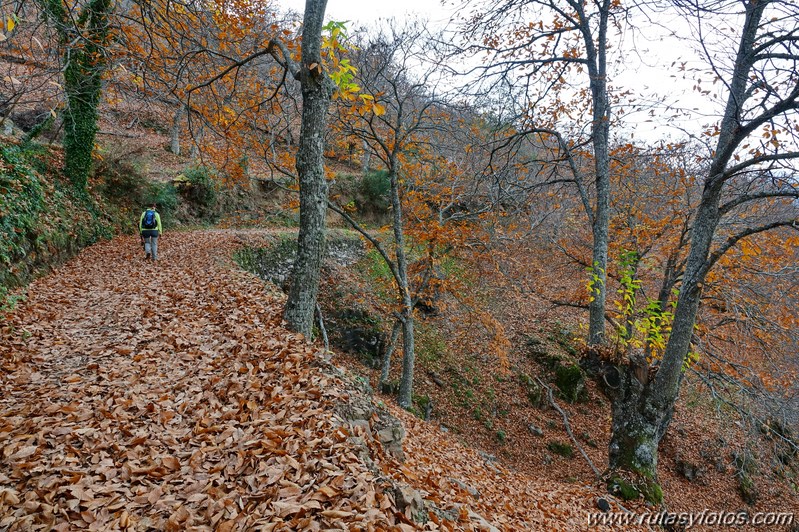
(43, 220)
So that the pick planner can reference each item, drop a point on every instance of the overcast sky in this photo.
(647, 71)
(367, 11)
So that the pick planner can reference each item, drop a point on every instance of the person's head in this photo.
(152, 206)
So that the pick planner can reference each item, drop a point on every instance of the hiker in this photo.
(150, 229)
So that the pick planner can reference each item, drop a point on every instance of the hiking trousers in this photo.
(150, 237)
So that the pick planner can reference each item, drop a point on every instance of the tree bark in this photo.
(405, 397)
(392, 344)
(317, 89)
(708, 214)
(197, 137)
(600, 127)
(642, 410)
(638, 424)
(174, 145)
(367, 156)
(84, 65)
(634, 437)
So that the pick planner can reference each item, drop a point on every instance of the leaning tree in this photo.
(751, 159)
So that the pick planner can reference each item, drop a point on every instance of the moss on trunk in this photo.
(638, 426)
(85, 61)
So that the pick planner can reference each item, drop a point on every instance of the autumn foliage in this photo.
(514, 204)
(170, 396)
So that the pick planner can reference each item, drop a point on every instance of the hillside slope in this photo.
(139, 395)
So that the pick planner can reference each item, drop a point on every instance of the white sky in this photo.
(647, 72)
(368, 11)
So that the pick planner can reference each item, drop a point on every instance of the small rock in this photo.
(472, 491)
(535, 429)
(482, 522)
(444, 429)
(436, 379)
(487, 457)
(489, 462)
(364, 424)
(602, 504)
(451, 514)
(405, 497)
(386, 435)
(690, 471)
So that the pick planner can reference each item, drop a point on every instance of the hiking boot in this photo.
(146, 256)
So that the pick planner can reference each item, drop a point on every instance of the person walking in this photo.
(150, 230)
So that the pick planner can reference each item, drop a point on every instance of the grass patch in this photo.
(561, 449)
(431, 346)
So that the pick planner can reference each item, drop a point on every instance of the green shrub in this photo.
(21, 202)
(164, 195)
(375, 189)
(43, 219)
(202, 189)
(570, 380)
(423, 404)
(44, 124)
(123, 181)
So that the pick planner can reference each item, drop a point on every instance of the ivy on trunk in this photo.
(84, 37)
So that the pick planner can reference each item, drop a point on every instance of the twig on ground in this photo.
(567, 425)
(321, 320)
(116, 134)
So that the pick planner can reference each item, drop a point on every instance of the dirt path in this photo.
(141, 396)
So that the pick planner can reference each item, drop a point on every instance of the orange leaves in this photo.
(192, 59)
(230, 428)
(171, 463)
(372, 107)
(325, 493)
(749, 249)
(168, 434)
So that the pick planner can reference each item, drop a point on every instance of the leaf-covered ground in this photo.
(138, 396)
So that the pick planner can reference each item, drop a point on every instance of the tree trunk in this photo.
(392, 345)
(707, 214)
(599, 258)
(197, 137)
(405, 398)
(174, 145)
(316, 93)
(600, 129)
(642, 410)
(638, 426)
(84, 65)
(80, 125)
(367, 156)
(641, 417)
